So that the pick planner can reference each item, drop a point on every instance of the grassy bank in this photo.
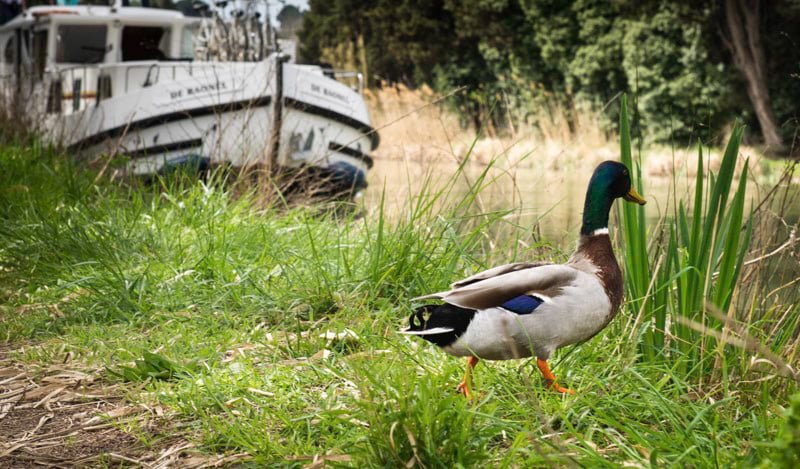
(196, 327)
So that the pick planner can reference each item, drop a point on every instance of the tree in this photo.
(782, 49)
(291, 20)
(498, 61)
(388, 40)
(682, 92)
(743, 38)
(518, 57)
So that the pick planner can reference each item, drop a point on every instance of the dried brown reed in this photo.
(431, 132)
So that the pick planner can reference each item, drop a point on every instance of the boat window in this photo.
(184, 6)
(82, 44)
(144, 43)
(187, 41)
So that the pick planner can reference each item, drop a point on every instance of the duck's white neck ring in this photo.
(599, 231)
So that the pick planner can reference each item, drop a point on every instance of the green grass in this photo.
(217, 307)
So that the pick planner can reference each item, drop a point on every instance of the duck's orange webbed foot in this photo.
(550, 379)
(465, 386)
(558, 388)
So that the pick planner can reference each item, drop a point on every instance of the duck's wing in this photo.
(494, 290)
(495, 271)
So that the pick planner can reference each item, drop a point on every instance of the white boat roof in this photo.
(97, 12)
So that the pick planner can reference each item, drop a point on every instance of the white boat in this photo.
(119, 80)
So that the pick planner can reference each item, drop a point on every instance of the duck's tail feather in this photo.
(431, 296)
(435, 330)
(444, 323)
(417, 324)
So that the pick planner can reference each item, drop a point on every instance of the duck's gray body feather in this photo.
(578, 313)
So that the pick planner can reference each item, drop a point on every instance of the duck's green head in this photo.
(610, 180)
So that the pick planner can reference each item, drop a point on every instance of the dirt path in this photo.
(66, 416)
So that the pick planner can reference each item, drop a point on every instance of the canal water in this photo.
(551, 199)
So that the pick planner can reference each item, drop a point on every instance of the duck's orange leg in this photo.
(466, 384)
(550, 379)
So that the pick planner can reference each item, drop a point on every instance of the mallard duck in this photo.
(531, 309)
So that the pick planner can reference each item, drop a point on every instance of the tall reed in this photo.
(698, 260)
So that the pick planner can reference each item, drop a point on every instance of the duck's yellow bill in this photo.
(633, 196)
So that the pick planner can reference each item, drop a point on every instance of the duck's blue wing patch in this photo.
(523, 304)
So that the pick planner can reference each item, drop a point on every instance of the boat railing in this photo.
(153, 70)
(345, 75)
(101, 81)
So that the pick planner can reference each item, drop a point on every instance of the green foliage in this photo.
(387, 40)
(681, 92)
(151, 366)
(593, 70)
(787, 444)
(781, 43)
(516, 57)
(420, 423)
(601, 48)
(496, 61)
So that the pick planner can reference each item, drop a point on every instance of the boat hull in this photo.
(219, 114)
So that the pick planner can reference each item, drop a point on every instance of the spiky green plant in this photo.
(700, 262)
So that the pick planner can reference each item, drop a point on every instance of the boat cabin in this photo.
(91, 51)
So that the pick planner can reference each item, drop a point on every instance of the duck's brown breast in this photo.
(596, 251)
